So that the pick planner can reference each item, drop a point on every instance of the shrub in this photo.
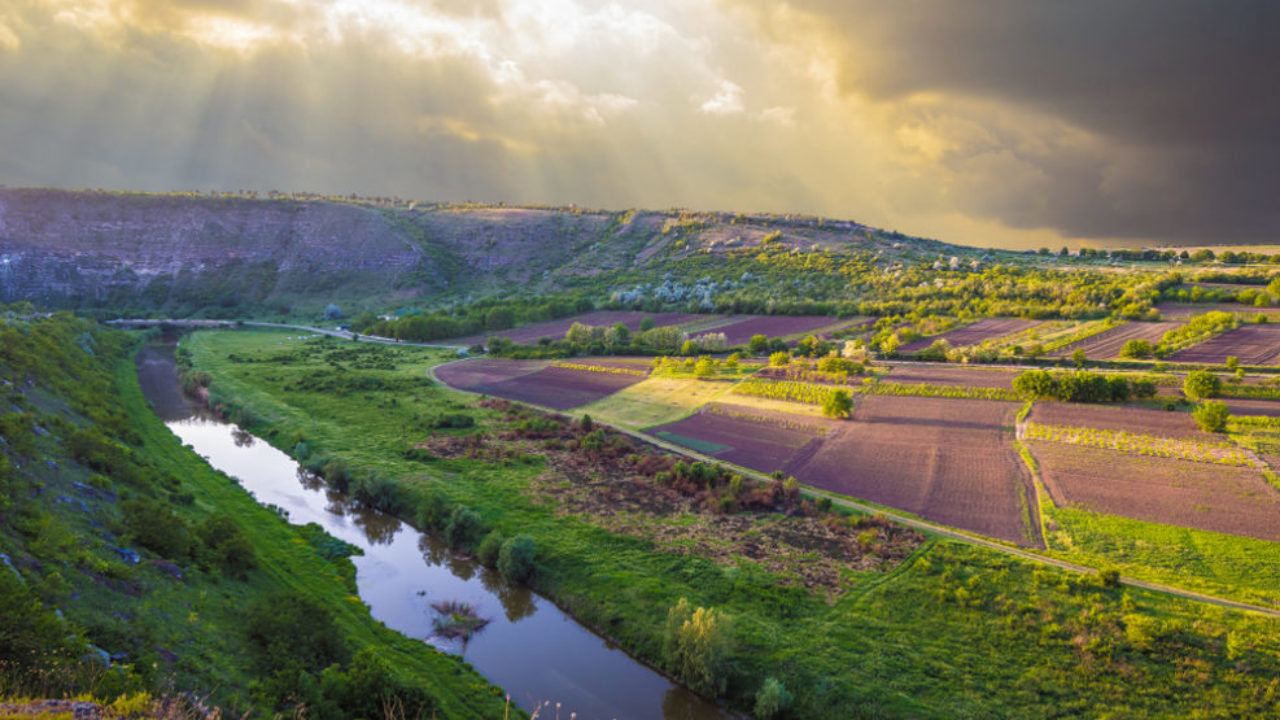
(291, 631)
(1201, 384)
(772, 699)
(1211, 416)
(697, 647)
(779, 359)
(489, 548)
(225, 546)
(758, 344)
(462, 527)
(1136, 348)
(155, 527)
(838, 404)
(515, 560)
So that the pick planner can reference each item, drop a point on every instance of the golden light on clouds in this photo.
(917, 116)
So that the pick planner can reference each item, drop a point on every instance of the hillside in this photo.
(232, 255)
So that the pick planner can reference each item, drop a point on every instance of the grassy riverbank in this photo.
(170, 568)
(953, 631)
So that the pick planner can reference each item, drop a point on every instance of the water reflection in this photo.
(530, 647)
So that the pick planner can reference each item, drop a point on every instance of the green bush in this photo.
(225, 546)
(489, 548)
(838, 404)
(1211, 416)
(154, 526)
(462, 527)
(1201, 384)
(515, 560)
(697, 647)
(772, 699)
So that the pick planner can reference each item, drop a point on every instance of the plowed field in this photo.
(974, 334)
(1106, 345)
(776, 326)
(1138, 420)
(1253, 344)
(951, 461)
(748, 437)
(534, 382)
(1198, 495)
(951, 375)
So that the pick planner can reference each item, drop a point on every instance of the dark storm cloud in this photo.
(1184, 95)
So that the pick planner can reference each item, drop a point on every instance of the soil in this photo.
(1107, 344)
(1252, 344)
(974, 334)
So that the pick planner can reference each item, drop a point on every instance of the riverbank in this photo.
(958, 631)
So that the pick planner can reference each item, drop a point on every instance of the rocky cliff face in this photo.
(185, 251)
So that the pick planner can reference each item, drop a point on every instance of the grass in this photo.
(656, 401)
(957, 631)
(702, 446)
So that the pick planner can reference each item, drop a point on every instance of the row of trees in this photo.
(1081, 386)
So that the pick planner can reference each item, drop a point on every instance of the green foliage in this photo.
(489, 549)
(462, 527)
(837, 404)
(1136, 348)
(225, 546)
(758, 344)
(1078, 386)
(1201, 384)
(772, 699)
(156, 527)
(1211, 416)
(697, 647)
(516, 558)
(785, 390)
(779, 359)
(704, 368)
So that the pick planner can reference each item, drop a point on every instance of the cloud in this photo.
(726, 101)
(1177, 98)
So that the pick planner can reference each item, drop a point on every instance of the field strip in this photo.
(925, 525)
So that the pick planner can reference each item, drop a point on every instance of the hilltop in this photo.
(296, 253)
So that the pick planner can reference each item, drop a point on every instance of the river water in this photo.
(532, 649)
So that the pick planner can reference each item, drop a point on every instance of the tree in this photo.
(1136, 348)
(1233, 362)
(332, 312)
(580, 334)
(1077, 357)
(688, 348)
(772, 699)
(646, 324)
(758, 344)
(462, 527)
(779, 359)
(838, 404)
(697, 646)
(1212, 416)
(515, 559)
(705, 368)
(489, 549)
(1201, 384)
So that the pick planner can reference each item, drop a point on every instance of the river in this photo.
(532, 649)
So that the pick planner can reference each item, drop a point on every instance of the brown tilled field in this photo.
(755, 439)
(951, 375)
(555, 329)
(974, 334)
(533, 381)
(1183, 311)
(1205, 496)
(1251, 406)
(1138, 420)
(467, 374)
(1106, 345)
(951, 461)
(1253, 344)
(775, 326)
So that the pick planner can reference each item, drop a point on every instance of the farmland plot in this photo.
(975, 334)
(1249, 406)
(1106, 345)
(1253, 344)
(951, 375)
(550, 386)
(1140, 420)
(555, 329)
(749, 437)
(1199, 495)
(951, 461)
(775, 326)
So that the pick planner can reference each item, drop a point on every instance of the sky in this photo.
(1011, 123)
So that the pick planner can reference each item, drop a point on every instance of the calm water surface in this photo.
(533, 650)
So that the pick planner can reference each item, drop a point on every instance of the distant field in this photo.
(746, 436)
(655, 401)
(1252, 344)
(975, 334)
(1106, 345)
(550, 386)
(1249, 406)
(951, 461)
(555, 329)
(1148, 421)
(1198, 495)
(776, 326)
(951, 375)
(1182, 311)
